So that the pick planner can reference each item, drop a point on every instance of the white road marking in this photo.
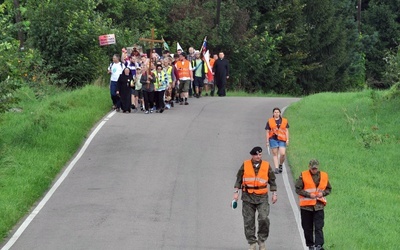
(47, 197)
(292, 202)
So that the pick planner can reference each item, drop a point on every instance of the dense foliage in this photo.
(293, 47)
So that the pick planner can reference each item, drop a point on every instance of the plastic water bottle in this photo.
(234, 204)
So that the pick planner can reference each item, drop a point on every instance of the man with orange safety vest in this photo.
(312, 187)
(252, 179)
(185, 73)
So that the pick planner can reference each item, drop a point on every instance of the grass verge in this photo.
(237, 93)
(355, 137)
(36, 143)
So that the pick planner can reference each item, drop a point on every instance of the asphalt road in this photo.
(164, 181)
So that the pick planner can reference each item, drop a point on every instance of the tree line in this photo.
(295, 47)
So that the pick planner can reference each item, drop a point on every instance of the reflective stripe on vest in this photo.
(252, 183)
(310, 187)
(183, 68)
(274, 130)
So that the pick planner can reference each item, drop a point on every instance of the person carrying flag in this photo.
(199, 72)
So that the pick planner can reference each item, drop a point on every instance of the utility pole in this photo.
(18, 21)
(359, 15)
(218, 12)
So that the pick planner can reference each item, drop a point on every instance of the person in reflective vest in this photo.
(312, 187)
(277, 137)
(185, 73)
(252, 180)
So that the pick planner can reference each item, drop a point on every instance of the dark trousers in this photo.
(159, 98)
(221, 87)
(191, 88)
(312, 223)
(148, 100)
(114, 97)
(249, 218)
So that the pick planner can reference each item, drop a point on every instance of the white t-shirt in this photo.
(116, 70)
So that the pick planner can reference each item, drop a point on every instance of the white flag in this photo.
(178, 47)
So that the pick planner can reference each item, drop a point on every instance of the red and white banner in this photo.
(107, 39)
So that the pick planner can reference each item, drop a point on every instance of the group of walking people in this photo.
(155, 83)
(255, 175)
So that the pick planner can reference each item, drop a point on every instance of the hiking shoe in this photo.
(261, 246)
(280, 168)
(253, 246)
(276, 171)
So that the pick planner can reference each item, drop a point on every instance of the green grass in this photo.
(237, 93)
(355, 137)
(36, 143)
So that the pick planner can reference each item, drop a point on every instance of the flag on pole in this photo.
(178, 47)
(165, 44)
(207, 60)
(203, 49)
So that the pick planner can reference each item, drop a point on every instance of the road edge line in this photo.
(52, 190)
(292, 201)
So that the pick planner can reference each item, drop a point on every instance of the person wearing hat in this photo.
(185, 73)
(252, 179)
(138, 94)
(312, 187)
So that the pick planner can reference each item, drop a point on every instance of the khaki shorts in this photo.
(184, 85)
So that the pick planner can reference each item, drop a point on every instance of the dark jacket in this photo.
(143, 80)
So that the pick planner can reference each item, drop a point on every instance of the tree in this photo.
(68, 41)
(381, 32)
(327, 45)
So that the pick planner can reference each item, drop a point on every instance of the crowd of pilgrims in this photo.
(135, 87)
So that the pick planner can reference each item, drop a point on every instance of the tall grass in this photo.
(355, 137)
(37, 142)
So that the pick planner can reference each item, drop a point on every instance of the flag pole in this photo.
(202, 45)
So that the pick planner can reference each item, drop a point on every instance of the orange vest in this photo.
(310, 187)
(212, 61)
(183, 69)
(252, 183)
(281, 132)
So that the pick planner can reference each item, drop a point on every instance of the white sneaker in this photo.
(253, 246)
(261, 246)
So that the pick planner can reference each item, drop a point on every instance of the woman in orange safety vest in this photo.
(277, 137)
